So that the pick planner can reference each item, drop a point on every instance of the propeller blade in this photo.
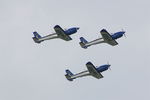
(124, 35)
(109, 68)
(108, 64)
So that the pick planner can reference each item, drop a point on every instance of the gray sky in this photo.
(30, 71)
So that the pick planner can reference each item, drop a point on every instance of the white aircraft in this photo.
(106, 38)
(92, 71)
(60, 33)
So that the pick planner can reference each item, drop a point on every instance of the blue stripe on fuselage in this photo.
(117, 35)
(71, 31)
(102, 68)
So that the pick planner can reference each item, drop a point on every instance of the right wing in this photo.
(92, 70)
(107, 37)
(61, 33)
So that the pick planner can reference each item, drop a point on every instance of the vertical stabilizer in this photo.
(68, 75)
(83, 42)
(36, 37)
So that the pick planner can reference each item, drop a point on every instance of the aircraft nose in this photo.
(77, 28)
(123, 32)
(108, 66)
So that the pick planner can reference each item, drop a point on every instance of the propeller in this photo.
(108, 64)
(124, 33)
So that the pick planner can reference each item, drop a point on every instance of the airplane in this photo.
(60, 33)
(92, 71)
(106, 38)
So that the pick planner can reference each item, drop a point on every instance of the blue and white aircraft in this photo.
(60, 33)
(106, 38)
(92, 71)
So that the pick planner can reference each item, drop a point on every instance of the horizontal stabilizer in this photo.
(68, 75)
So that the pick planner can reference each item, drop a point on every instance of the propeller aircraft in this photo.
(106, 38)
(60, 33)
(92, 71)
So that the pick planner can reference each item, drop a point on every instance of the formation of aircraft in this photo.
(106, 38)
(60, 33)
(65, 35)
(92, 71)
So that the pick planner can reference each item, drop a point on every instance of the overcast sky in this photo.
(30, 71)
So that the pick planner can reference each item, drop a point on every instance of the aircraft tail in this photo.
(83, 42)
(36, 37)
(69, 74)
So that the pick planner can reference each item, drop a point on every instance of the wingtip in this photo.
(103, 30)
(56, 26)
(89, 63)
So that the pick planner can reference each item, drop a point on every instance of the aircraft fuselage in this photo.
(106, 38)
(87, 73)
(59, 33)
(103, 68)
(117, 35)
(71, 30)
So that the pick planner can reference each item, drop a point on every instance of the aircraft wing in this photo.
(61, 33)
(108, 38)
(93, 71)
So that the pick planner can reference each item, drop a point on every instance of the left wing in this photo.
(93, 71)
(107, 37)
(61, 33)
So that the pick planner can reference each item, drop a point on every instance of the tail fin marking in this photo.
(36, 35)
(83, 40)
(68, 75)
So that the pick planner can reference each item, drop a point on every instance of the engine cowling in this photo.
(71, 31)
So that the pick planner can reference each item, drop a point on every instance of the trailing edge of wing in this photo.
(93, 71)
(113, 42)
(61, 33)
